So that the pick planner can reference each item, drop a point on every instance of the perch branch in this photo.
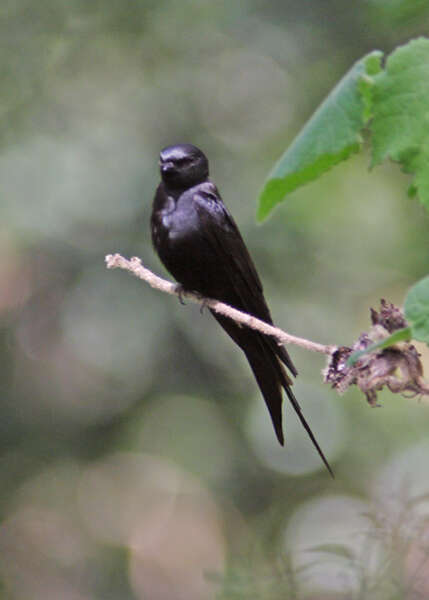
(397, 367)
(134, 266)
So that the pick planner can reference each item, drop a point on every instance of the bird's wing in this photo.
(221, 232)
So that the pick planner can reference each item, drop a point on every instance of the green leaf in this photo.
(416, 309)
(330, 136)
(400, 127)
(398, 336)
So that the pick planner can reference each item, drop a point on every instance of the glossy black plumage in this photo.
(199, 243)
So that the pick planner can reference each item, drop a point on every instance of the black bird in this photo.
(199, 243)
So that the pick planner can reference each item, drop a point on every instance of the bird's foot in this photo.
(203, 305)
(180, 290)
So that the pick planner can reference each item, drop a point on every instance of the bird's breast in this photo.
(182, 222)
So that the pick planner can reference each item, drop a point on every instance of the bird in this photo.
(199, 243)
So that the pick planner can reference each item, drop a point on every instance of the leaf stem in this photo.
(401, 335)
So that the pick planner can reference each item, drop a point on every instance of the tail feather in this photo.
(264, 356)
(282, 354)
(307, 428)
(268, 383)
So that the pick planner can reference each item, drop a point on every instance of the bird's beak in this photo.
(167, 167)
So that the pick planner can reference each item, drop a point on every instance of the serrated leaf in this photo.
(416, 309)
(400, 127)
(330, 136)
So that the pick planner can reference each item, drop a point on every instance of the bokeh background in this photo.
(137, 460)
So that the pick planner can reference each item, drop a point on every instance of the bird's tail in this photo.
(306, 426)
(264, 356)
(268, 382)
(271, 378)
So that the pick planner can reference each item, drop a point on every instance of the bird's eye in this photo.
(183, 161)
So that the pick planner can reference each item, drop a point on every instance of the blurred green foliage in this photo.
(389, 103)
(331, 135)
(136, 456)
(416, 310)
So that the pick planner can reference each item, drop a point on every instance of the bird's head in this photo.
(183, 166)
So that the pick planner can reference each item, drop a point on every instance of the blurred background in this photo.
(137, 459)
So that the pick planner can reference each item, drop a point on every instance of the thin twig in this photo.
(134, 266)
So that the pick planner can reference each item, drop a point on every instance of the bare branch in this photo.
(397, 367)
(134, 266)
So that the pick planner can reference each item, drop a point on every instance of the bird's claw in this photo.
(180, 290)
(203, 305)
